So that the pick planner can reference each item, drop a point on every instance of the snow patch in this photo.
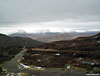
(38, 60)
(74, 44)
(40, 68)
(58, 54)
(13, 74)
(24, 65)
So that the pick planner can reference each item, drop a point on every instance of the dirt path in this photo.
(12, 65)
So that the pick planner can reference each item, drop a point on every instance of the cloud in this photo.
(54, 26)
(14, 13)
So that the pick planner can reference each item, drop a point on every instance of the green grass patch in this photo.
(78, 68)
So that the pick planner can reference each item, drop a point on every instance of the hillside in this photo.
(82, 52)
(80, 43)
(6, 41)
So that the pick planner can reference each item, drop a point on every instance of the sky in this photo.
(52, 15)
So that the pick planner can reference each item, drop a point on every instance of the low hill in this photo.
(6, 41)
(80, 43)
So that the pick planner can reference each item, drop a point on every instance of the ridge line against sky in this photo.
(55, 15)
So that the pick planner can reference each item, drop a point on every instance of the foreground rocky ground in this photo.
(42, 62)
(15, 68)
(85, 51)
(59, 59)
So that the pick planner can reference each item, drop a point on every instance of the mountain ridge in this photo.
(6, 41)
(80, 43)
(53, 36)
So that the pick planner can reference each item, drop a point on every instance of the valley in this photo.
(49, 37)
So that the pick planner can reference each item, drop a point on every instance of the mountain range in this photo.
(91, 43)
(52, 36)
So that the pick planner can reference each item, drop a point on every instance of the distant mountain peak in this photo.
(21, 31)
(43, 31)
